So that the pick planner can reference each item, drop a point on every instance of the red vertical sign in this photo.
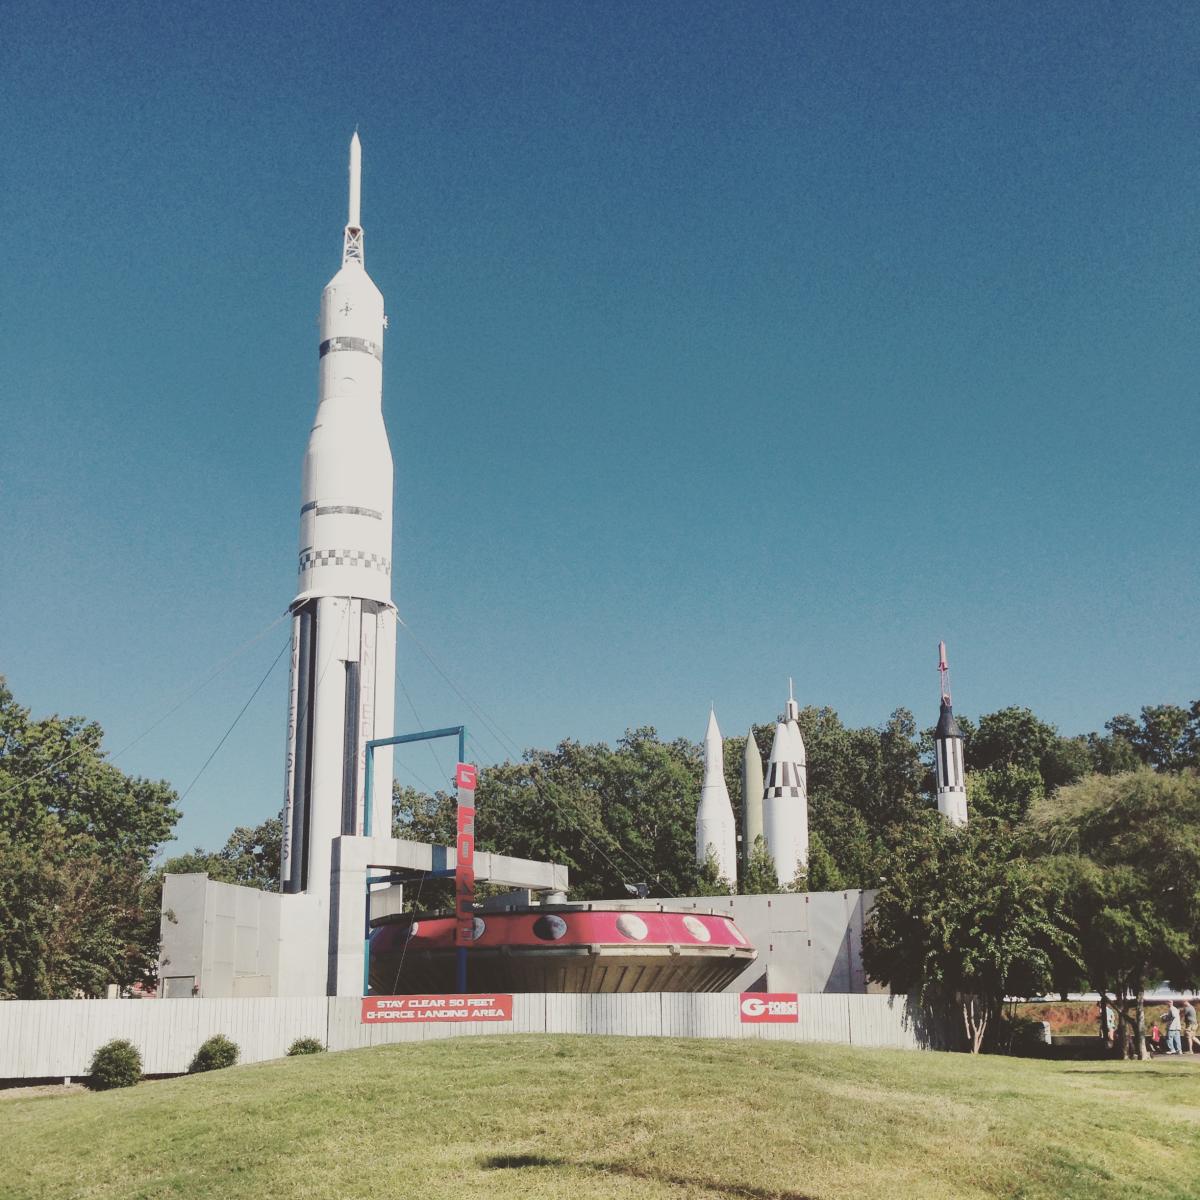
(464, 857)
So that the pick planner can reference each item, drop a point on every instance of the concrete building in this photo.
(219, 939)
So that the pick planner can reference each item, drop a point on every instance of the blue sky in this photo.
(727, 342)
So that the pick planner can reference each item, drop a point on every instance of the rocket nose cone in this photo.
(797, 741)
(751, 748)
(779, 742)
(713, 730)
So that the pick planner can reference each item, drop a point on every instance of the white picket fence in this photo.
(45, 1039)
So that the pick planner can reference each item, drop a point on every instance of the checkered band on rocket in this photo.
(344, 558)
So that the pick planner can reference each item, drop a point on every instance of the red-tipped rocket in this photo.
(785, 797)
(948, 753)
(716, 830)
(343, 619)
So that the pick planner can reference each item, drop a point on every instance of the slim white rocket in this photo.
(948, 761)
(716, 830)
(752, 796)
(785, 797)
(343, 619)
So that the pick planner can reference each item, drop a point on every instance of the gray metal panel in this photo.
(828, 958)
(181, 926)
(44, 1038)
(177, 987)
(832, 963)
(789, 958)
(873, 1023)
(247, 918)
(823, 1019)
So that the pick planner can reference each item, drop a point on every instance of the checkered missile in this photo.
(785, 797)
(343, 620)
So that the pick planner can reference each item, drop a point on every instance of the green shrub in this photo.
(305, 1046)
(116, 1064)
(214, 1054)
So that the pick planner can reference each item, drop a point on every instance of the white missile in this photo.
(949, 766)
(752, 796)
(343, 619)
(716, 830)
(785, 797)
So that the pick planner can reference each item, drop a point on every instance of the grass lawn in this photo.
(496, 1118)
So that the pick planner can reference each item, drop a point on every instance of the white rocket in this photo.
(716, 830)
(752, 796)
(785, 797)
(343, 620)
(948, 754)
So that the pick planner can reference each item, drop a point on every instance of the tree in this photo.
(863, 786)
(709, 880)
(76, 839)
(822, 874)
(1113, 754)
(1166, 737)
(613, 815)
(759, 877)
(959, 923)
(1014, 737)
(250, 857)
(421, 817)
(1005, 792)
(1122, 854)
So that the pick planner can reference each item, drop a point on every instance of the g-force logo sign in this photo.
(758, 1007)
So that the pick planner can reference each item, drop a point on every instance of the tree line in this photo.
(79, 840)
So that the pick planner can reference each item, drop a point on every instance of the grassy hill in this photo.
(530, 1117)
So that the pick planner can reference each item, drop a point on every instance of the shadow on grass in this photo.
(1134, 1068)
(510, 1162)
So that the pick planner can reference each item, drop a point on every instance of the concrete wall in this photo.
(806, 941)
(41, 1039)
(218, 938)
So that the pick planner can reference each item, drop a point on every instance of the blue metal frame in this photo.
(459, 731)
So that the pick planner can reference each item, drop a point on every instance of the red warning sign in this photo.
(380, 1010)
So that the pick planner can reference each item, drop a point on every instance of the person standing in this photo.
(1189, 1026)
(1171, 1019)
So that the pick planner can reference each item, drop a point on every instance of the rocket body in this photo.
(343, 619)
(949, 768)
(716, 830)
(785, 799)
(752, 796)
(948, 762)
